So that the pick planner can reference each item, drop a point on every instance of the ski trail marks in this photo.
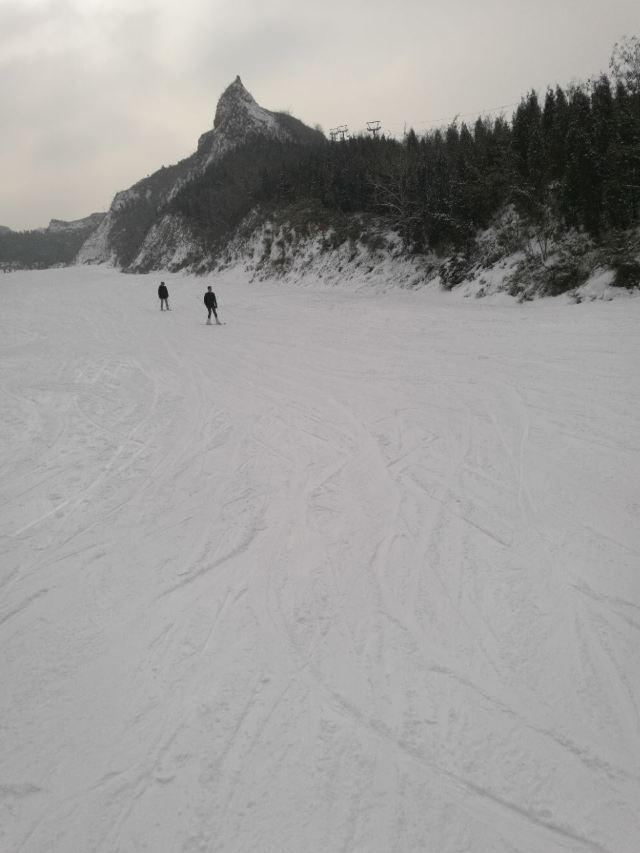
(344, 580)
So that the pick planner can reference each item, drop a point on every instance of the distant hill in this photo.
(56, 245)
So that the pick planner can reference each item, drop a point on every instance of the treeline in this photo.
(40, 249)
(579, 155)
(572, 158)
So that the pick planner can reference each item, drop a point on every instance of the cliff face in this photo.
(137, 233)
(85, 224)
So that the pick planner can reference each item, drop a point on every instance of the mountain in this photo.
(138, 232)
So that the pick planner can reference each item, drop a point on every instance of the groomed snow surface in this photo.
(354, 572)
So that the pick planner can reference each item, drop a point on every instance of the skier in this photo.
(163, 293)
(211, 303)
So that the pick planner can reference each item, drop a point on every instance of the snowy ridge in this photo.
(356, 572)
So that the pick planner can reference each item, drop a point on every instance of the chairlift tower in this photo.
(340, 132)
(374, 128)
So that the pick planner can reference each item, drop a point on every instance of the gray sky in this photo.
(96, 94)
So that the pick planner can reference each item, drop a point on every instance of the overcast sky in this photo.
(96, 94)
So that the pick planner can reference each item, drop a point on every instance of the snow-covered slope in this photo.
(169, 244)
(265, 249)
(96, 249)
(355, 571)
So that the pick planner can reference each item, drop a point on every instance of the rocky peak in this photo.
(239, 117)
(238, 114)
(234, 100)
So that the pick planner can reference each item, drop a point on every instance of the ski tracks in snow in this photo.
(337, 578)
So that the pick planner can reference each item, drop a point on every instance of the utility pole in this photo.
(374, 128)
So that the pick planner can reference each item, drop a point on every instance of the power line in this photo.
(474, 113)
(341, 132)
(446, 119)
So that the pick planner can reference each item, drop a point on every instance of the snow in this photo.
(600, 286)
(167, 244)
(357, 571)
(96, 248)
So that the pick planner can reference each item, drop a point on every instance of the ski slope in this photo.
(354, 572)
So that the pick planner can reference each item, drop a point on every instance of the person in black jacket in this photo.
(212, 304)
(163, 293)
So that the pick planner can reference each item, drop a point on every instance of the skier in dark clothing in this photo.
(163, 293)
(212, 304)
